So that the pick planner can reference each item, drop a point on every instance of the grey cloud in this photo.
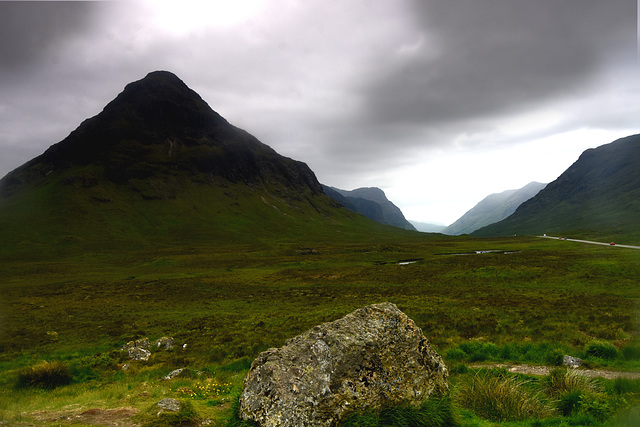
(499, 56)
(29, 31)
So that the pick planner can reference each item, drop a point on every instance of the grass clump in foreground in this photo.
(434, 412)
(501, 398)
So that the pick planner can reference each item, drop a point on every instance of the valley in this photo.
(158, 218)
(229, 302)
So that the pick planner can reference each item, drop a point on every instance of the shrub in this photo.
(631, 352)
(554, 357)
(455, 354)
(600, 406)
(48, 375)
(501, 398)
(478, 351)
(626, 385)
(561, 381)
(434, 412)
(237, 365)
(460, 369)
(569, 403)
(601, 349)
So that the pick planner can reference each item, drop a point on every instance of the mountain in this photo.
(426, 227)
(598, 195)
(157, 166)
(493, 208)
(372, 203)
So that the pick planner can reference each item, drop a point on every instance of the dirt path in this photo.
(544, 370)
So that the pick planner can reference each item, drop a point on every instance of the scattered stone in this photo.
(572, 362)
(372, 358)
(141, 343)
(165, 343)
(171, 375)
(138, 354)
(125, 367)
(169, 405)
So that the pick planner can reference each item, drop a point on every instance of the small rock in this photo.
(173, 374)
(141, 343)
(138, 354)
(572, 362)
(165, 343)
(169, 404)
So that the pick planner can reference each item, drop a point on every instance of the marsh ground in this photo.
(528, 302)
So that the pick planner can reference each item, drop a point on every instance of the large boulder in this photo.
(372, 358)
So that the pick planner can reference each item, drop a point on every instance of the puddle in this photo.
(490, 251)
(399, 262)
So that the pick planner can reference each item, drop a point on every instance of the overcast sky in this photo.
(437, 102)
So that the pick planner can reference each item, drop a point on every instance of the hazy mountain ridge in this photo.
(599, 193)
(372, 203)
(427, 227)
(493, 208)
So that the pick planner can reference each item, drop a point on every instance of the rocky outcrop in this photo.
(139, 350)
(372, 358)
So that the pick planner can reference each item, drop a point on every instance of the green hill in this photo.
(597, 197)
(158, 166)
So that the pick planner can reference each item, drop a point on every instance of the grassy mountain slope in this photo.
(493, 208)
(597, 197)
(158, 166)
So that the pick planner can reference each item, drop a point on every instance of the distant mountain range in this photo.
(493, 208)
(158, 166)
(372, 203)
(427, 227)
(598, 195)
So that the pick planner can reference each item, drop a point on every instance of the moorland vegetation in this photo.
(540, 300)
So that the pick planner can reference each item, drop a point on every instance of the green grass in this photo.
(228, 302)
(501, 398)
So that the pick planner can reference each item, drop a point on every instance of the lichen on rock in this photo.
(373, 358)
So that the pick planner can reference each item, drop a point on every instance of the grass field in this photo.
(532, 301)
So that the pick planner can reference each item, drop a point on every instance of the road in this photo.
(592, 243)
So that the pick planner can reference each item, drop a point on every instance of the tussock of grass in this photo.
(561, 381)
(500, 398)
(434, 412)
(47, 375)
(602, 350)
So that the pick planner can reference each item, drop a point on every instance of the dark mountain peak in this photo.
(159, 129)
(162, 100)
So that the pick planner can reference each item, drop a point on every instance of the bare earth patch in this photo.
(104, 417)
(544, 370)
